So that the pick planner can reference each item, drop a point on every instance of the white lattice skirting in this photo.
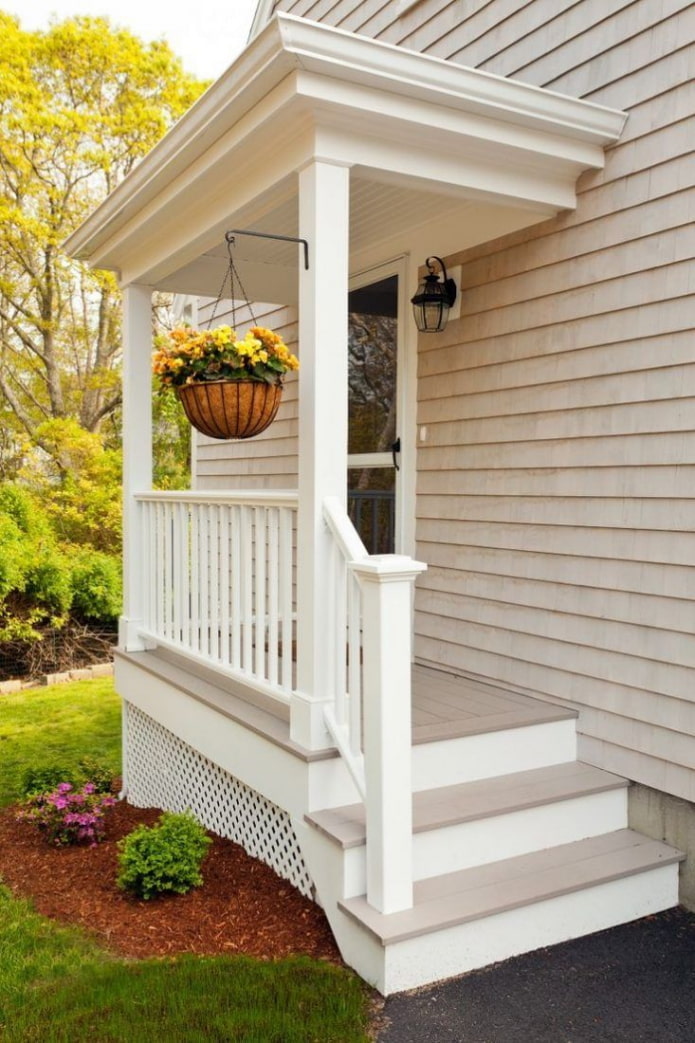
(164, 772)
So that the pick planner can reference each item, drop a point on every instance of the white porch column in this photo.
(137, 453)
(324, 222)
(386, 582)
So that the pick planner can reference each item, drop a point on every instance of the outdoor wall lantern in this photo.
(433, 299)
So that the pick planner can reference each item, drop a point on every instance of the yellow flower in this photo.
(187, 356)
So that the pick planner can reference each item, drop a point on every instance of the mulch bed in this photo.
(242, 907)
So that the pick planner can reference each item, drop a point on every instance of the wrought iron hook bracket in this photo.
(229, 236)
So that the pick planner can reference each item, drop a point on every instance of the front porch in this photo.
(265, 658)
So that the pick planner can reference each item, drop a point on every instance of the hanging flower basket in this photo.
(229, 387)
(230, 408)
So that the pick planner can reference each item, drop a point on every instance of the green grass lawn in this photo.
(56, 986)
(40, 727)
(59, 986)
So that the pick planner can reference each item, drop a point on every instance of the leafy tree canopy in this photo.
(80, 104)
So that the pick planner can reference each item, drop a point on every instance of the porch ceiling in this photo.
(378, 213)
(426, 142)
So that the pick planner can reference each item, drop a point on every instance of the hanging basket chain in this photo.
(231, 273)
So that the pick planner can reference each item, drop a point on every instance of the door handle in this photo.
(396, 448)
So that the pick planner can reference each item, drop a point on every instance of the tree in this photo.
(79, 105)
(79, 483)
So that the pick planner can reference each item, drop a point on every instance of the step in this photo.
(513, 742)
(456, 827)
(474, 917)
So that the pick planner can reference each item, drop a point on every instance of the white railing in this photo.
(218, 581)
(369, 713)
(344, 714)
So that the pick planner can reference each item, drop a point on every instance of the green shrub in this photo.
(48, 582)
(44, 779)
(96, 586)
(98, 773)
(34, 573)
(163, 857)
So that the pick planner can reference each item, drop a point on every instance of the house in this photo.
(439, 755)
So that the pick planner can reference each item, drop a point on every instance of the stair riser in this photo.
(449, 848)
(473, 757)
(456, 950)
(493, 839)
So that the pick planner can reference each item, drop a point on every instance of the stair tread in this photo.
(546, 713)
(472, 894)
(468, 801)
(447, 706)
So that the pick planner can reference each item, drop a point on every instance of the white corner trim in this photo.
(264, 12)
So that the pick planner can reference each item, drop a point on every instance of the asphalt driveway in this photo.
(630, 984)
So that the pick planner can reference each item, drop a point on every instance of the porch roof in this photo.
(423, 137)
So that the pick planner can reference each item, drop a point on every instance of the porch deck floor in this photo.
(447, 706)
(444, 705)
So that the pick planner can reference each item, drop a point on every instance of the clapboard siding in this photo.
(661, 546)
(652, 515)
(555, 560)
(556, 479)
(616, 606)
(268, 461)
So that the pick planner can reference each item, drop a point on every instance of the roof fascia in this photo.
(361, 60)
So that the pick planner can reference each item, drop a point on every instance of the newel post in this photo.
(137, 454)
(386, 583)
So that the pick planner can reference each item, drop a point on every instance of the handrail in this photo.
(343, 530)
(246, 497)
(343, 717)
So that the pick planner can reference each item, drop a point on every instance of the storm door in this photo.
(373, 435)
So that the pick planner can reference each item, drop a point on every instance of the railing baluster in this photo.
(204, 582)
(168, 574)
(236, 586)
(224, 584)
(195, 578)
(246, 589)
(285, 590)
(338, 634)
(149, 520)
(158, 566)
(214, 583)
(354, 663)
(273, 594)
(176, 571)
(260, 519)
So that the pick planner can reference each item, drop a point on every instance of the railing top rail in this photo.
(343, 530)
(250, 497)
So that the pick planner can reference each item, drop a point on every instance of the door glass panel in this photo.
(372, 348)
(372, 425)
(371, 506)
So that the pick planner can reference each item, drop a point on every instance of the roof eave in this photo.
(288, 43)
